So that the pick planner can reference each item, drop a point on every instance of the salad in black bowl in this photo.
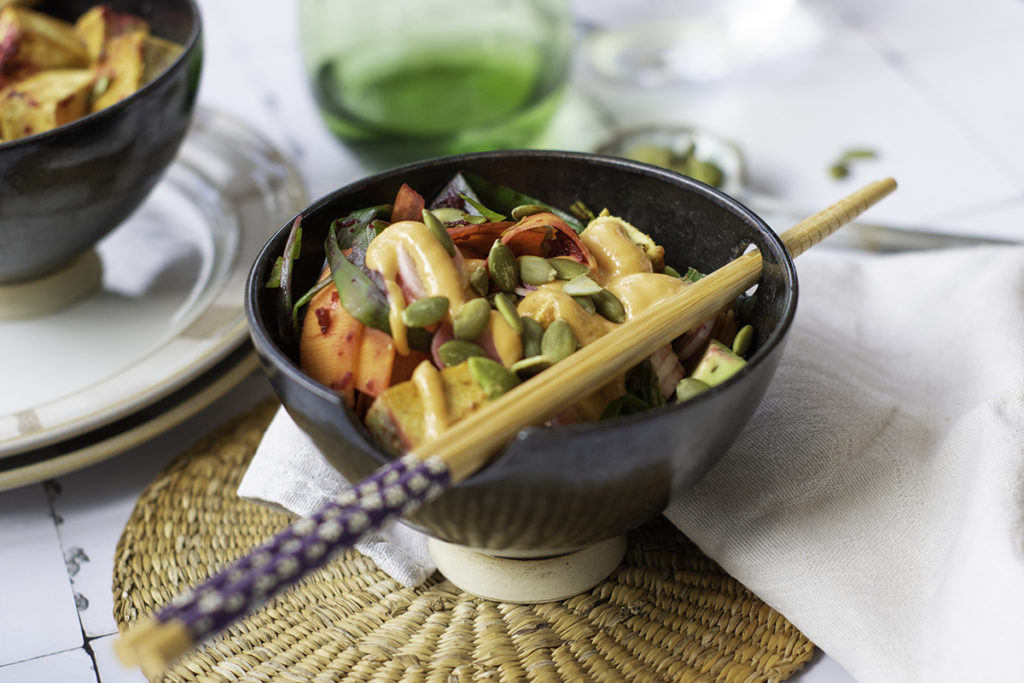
(398, 304)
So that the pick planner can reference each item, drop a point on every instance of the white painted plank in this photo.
(71, 666)
(109, 667)
(37, 606)
(95, 503)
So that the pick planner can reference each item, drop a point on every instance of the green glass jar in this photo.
(401, 80)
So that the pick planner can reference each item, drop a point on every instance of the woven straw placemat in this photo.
(668, 613)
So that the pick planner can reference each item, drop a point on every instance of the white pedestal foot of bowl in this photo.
(52, 292)
(524, 578)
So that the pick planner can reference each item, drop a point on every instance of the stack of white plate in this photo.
(164, 334)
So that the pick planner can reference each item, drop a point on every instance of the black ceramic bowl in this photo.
(561, 487)
(61, 191)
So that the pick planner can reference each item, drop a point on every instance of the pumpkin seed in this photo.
(449, 214)
(480, 281)
(437, 228)
(586, 303)
(471, 320)
(503, 267)
(559, 341)
(524, 210)
(102, 83)
(493, 377)
(419, 339)
(581, 285)
(425, 312)
(532, 334)
(531, 365)
(508, 311)
(706, 171)
(741, 342)
(567, 269)
(688, 387)
(609, 306)
(455, 351)
(534, 270)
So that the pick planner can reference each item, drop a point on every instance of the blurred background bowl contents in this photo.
(53, 71)
(557, 487)
(94, 103)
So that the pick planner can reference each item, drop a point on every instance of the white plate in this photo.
(117, 437)
(170, 307)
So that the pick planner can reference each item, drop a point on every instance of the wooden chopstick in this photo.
(399, 487)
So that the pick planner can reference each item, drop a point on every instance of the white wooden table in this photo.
(932, 85)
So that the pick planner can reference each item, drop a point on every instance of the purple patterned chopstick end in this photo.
(394, 490)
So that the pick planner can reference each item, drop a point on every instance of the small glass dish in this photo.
(700, 154)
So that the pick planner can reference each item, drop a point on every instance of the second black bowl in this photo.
(63, 190)
(564, 487)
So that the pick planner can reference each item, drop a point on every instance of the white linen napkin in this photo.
(877, 497)
(289, 473)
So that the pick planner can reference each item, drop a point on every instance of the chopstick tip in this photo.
(151, 645)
